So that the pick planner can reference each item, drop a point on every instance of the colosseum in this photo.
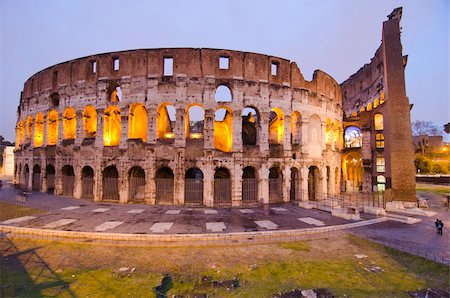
(213, 127)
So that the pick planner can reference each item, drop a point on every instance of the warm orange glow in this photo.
(354, 114)
(336, 133)
(195, 135)
(69, 124)
(382, 99)
(353, 171)
(328, 132)
(137, 122)
(20, 133)
(169, 135)
(90, 121)
(223, 132)
(369, 106)
(28, 129)
(194, 121)
(52, 127)
(376, 103)
(378, 121)
(362, 109)
(38, 130)
(276, 127)
(163, 123)
(112, 126)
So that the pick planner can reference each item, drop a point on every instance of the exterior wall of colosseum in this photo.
(294, 154)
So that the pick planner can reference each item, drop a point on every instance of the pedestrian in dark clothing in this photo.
(440, 226)
(436, 223)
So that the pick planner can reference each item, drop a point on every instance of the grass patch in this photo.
(8, 211)
(262, 270)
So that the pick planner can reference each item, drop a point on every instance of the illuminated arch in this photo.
(165, 120)
(369, 106)
(194, 121)
(20, 133)
(329, 126)
(336, 133)
(296, 127)
(250, 124)
(69, 124)
(28, 129)
(52, 127)
(137, 122)
(352, 171)
(376, 102)
(38, 130)
(223, 129)
(112, 126)
(276, 126)
(89, 121)
(378, 121)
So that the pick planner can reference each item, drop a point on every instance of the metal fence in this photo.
(68, 185)
(294, 194)
(51, 183)
(222, 191)
(164, 190)
(136, 189)
(87, 188)
(36, 185)
(111, 188)
(249, 190)
(275, 190)
(193, 191)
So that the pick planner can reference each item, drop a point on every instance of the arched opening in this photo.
(295, 183)
(222, 187)
(315, 137)
(90, 122)
(165, 121)
(38, 130)
(138, 122)
(369, 106)
(250, 124)
(68, 180)
(352, 171)
(195, 120)
(69, 124)
(223, 94)
(26, 177)
(275, 185)
(50, 174)
(296, 128)
(112, 126)
(20, 133)
(313, 183)
(223, 130)
(36, 183)
(353, 137)
(328, 136)
(110, 184)
(164, 186)
(87, 183)
(276, 126)
(249, 186)
(52, 127)
(378, 121)
(193, 187)
(28, 129)
(136, 185)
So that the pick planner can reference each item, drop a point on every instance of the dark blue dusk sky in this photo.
(337, 37)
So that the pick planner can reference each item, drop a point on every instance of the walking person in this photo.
(436, 223)
(440, 227)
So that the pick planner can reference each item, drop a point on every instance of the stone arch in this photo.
(313, 183)
(20, 133)
(296, 128)
(89, 121)
(249, 185)
(222, 186)
(136, 185)
(28, 129)
(194, 121)
(69, 124)
(352, 171)
(378, 121)
(36, 181)
(223, 93)
(26, 176)
(38, 137)
(165, 121)
(250, 125)
(193, 186)
(276, 126)
(112, 126)
(50, 176)
(52, 127)
(68, 180)
(138, 122)
(352, 137)
(164, 186)
(87, 183)
(111, 184)
(223, 129)
(275, 185)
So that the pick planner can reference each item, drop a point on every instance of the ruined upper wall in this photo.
(187, 62)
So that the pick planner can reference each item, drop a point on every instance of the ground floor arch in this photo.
(352, 171)
(313, 183)
(165, 182)
(222, 187)
(275, 185)
(50, 176)
(26, 177)
(136, 185)
(193, 186)
(68, 180)
(249, 186)
(110, 184)
(36, 183)
(87, 183)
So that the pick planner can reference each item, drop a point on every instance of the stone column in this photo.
(123, 182)
(237, 131)
(150, 185)
(180, 131)
(286, 184)
(323, 127)
(208, 133)
(237, 184)
(124, 131)
(287, 145)
(323, 183)
(60, 129)
(77, 190)
(151, 125)
(100, 129)
(332, 188)
(208, 184)
(304, 132)
(98, 185)
(264, 133)
(263, 191)
(304, 183)
(79, 133)
(44, 134)
(179, 178)
(58, 176)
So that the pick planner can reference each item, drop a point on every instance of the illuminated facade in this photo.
(189, 126)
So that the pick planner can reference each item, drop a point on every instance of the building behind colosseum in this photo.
(215, 127)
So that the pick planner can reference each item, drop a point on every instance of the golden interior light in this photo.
(163, 123)
(112, 126)
(223, 132)
(328, 132)
(137, 122)
(39, 130)
(52, 127)
(169, 135)
(276, 127)
(195, 135)
(336, 132)
(90, 121)
(28, 129)
(69, 124)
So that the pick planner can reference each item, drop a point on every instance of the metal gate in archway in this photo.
(68, 180)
